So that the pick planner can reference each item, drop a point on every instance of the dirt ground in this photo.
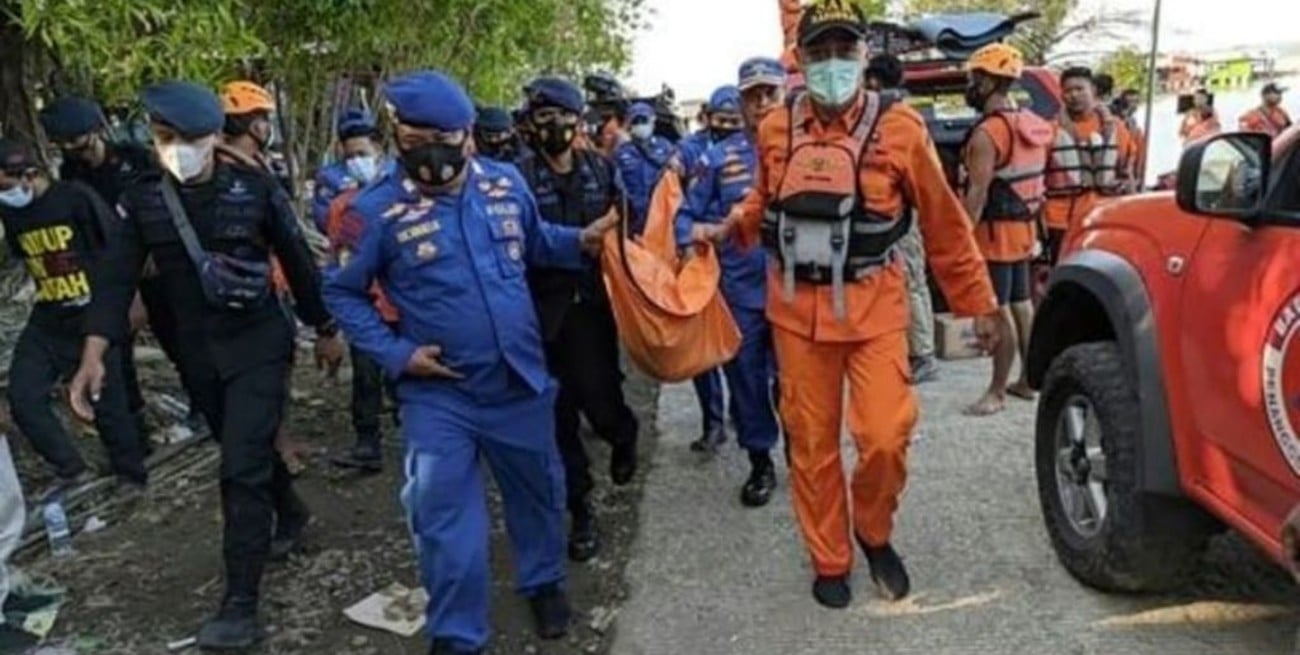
(152, 576)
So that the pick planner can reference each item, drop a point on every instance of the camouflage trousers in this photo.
(920, 334)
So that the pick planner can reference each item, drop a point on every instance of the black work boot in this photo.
(366, 456)
(551, 612)
(443, 647)
(710, 441)
(622, 463)
(234, 627)
(584, 540)
(887, 570)
(291, 519)
(833, 591)
(758, 489)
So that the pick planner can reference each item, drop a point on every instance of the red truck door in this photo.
(1240, 348)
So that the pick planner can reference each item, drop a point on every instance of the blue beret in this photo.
(70, 117)
(555, 92)
(641, 110)
(430, 99)
(495, 118)
(761, 71)
(725, 99)
(186, 107)
(356, 122)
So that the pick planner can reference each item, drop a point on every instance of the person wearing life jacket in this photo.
(1125, 108)
(839, 166)
(1268, 118)
(641, 160)
(1004, 160)
(1087, 161)
(724, 176)
(1201, 121)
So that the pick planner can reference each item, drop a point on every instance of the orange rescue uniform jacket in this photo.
(343, 228)
(791, 12)
(900, 164)
(1064, 213)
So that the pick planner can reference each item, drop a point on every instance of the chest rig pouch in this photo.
(818, 228)
(228, 283)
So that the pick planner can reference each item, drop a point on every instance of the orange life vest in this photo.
(1019, 186)
(817, 226)
(1079, 165)
(1258, 120)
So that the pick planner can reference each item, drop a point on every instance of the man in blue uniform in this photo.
(577, 187)
(641, 160)
(211, 229)
(449, 238)
(724, 176)
(494, 135)
(360, 159)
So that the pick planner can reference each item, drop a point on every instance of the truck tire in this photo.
(1106, 533)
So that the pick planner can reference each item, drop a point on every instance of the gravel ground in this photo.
(709, 577)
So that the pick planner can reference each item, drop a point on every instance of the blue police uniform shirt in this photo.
(453, 266)
(724, 175)
(692, 148)
(331, 181)
(640, 163)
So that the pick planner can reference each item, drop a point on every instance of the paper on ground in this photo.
(396, 609)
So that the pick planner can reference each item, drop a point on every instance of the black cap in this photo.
(1272, 87)
(827, 16)
(16, 156)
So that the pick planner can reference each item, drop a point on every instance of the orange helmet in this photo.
(243, 97)
(998, 59)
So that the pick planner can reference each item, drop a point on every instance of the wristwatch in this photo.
(327, 330)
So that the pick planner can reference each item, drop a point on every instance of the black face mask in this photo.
(554, 139)
(975, 97)
(435, 164)
(500, 150)
(719, 134)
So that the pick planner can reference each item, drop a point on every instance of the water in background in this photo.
(1166, 147)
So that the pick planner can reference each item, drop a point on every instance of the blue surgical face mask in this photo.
(363, 168)
(17, 197)
(834, 82)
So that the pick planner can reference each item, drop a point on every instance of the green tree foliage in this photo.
(317, 54)
(1129, 66)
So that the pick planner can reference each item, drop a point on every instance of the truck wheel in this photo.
(1106, 533)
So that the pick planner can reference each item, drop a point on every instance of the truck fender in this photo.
(1097, 296)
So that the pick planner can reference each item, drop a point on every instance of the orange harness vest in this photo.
(817, 227)
(1019, 186)
(1265, 120)
(1080, 165)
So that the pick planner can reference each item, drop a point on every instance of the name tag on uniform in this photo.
(504, 210)
(418, 231)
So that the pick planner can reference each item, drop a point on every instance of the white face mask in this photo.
(17, 197)
(364, 168)
(186, 160)
(642, 132)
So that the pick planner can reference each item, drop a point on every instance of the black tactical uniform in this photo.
(580, 335)
(237, 359)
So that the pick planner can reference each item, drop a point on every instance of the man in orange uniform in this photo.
(837, 169)
(1269, 118)
(1201, 121)
(1004, 161)
(1089, 158)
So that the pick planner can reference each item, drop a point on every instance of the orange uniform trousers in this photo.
(882, 412)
